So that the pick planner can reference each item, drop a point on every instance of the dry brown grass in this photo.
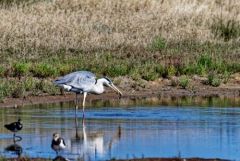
(109, 24)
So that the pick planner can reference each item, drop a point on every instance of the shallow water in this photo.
(108, 132)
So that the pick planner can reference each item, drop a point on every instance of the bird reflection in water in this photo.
(15, 148)
(92, 144)
(15, 127)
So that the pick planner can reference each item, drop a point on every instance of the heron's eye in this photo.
(108, 80)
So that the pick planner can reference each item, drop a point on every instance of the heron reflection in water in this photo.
(84, 82)
(92, 143)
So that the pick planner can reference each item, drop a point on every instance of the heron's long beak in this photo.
(115, 89)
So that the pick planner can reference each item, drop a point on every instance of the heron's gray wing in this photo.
(79, 79)
(84, 80)
(65, 79)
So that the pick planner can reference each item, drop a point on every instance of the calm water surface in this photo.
(126, 131)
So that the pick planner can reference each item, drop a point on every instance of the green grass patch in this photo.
(21, 69)
(165, 59)
(2, 71)
(158, 43)
(184, 81)
(44, 70)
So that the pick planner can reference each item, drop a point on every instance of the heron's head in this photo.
(107, 82)
(55, 136)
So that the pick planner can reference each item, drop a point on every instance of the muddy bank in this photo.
(165, 91)
(161, 88)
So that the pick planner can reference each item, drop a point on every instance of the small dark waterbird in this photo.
(14, 127)
(84, 82)
(58, 143)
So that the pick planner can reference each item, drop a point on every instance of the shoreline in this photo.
(164, 92)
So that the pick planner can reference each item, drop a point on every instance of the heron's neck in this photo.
(99, 88)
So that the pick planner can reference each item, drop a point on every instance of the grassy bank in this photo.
(145, 40)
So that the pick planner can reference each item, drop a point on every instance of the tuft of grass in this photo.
(2, 70)
(115, 70)
(204, 60)
(158, 44)
(213, 79)
(45, 86)
(149, 71)
(29, 83)
(184, 82)
(64, 69)
(1, 92)
(171, 71)
(49, 87)
(18, 91)
(7, 87)
(225, 77)
(21, 69)
(44, 70)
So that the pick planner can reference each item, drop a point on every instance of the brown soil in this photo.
(159, 88)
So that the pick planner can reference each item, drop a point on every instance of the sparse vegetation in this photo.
(144, 40)
(184, 82)
(213, 79)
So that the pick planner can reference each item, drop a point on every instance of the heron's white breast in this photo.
(66, 87)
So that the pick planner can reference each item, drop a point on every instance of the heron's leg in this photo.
(84, 98)
(76, 102)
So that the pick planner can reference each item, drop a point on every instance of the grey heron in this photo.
(84, 82)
